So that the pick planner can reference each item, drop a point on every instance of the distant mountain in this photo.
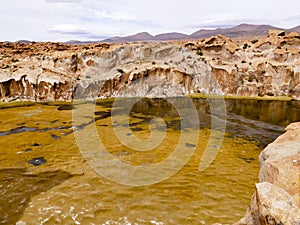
(23, 42)
(295, 29)
(144, 36)
(75, 42)
(171, 36)
(240, 31)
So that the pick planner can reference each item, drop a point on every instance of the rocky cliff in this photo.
(216, 65)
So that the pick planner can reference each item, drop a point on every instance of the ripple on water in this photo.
(66, 190)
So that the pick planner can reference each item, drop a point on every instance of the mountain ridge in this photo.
(240, 31)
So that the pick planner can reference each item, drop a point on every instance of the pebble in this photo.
(190, 145)
(37, 161)
(36, 145)
(55, 137)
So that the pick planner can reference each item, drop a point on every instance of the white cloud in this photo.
(63, 1)
(120, 16)
(94, 9)
(68, 29)
(224, 23)
(81, 33)
(93, 14)
(294, 19)
(61, 20)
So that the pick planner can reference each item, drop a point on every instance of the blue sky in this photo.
(63, 20)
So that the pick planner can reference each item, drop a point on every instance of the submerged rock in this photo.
(190, 145)
(37, 161)
(36, 145)
(55, 137)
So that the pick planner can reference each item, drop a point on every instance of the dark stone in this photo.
(36, 145)
(54, 121)
(37, 161)
(136, 129)
(247, 160)
(55, 137)
(190, 145)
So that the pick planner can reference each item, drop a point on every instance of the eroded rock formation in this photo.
(266, 66)
(271, 205)
(216, 65)
(276, 200)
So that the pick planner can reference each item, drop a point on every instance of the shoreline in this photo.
(238, 97)
(276, 198)
(21, 103)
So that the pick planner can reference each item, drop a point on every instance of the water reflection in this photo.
(262, 121)
(17, 190)
(65, 187)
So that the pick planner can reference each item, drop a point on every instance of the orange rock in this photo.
(215, 65)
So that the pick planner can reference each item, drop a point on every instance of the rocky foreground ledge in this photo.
(276, 198)
(44, 72)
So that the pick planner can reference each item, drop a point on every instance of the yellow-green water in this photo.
(66, 190)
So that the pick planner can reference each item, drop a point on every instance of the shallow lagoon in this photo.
(66, 190)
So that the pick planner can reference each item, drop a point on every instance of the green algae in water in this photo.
(14, 104)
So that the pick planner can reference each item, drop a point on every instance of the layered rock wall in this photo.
(216, 65)
(266, 66)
